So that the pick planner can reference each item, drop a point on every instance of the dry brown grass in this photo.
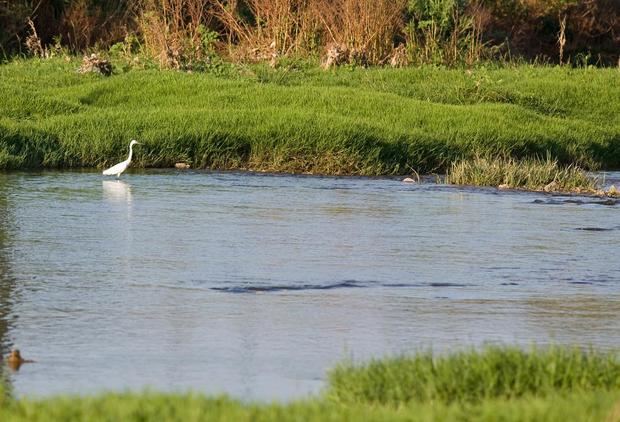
(274, 28)
(33, 42)
(80, 25)
(84, 24)
(173, 31)
(365, 29)
(356, 31)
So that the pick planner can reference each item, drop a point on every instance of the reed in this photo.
(264, 30)
(365, 30)
(532, 174)
(175, 32)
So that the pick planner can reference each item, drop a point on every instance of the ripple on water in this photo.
(290, 287)
(247, 288)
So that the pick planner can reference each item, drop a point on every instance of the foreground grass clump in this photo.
(590, 406)
(532, 174)
(298, 118)
(508, 384)
(474, 377)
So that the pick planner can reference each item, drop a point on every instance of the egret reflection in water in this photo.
(117, 194)
(116, 191)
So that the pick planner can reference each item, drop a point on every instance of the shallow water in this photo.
(255, 285)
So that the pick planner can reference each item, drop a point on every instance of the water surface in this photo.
(255, 285)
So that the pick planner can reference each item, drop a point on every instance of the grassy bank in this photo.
(299, 118)
(494, 384)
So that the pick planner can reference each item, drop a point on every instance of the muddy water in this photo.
(255, 285)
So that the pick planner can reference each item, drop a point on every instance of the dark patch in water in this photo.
(607, 202)
(447, 285)
(594, 229)
(581, 282)
(510, 284)
(594, 281)
(400, 285)
(286, 288)
(342, 285)
(425, 285)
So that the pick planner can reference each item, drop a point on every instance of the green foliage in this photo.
(208, 39)
(436, 12)
(441, 32)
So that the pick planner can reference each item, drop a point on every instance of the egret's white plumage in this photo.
(122, 166)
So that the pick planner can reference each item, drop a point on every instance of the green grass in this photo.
(496, 383)
(507, 384)
(299, 118)
(530, 174)
(591, 406)
(473, 377)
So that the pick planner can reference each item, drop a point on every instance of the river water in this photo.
(255, 285)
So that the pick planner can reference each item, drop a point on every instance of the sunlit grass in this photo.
(582, 406)
(475, 376)
(298, 118)
(531, 174)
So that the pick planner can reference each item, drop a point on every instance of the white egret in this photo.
(122, 166)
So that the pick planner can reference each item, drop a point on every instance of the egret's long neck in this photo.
(130, 152)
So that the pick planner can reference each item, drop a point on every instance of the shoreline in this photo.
(425, 179)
